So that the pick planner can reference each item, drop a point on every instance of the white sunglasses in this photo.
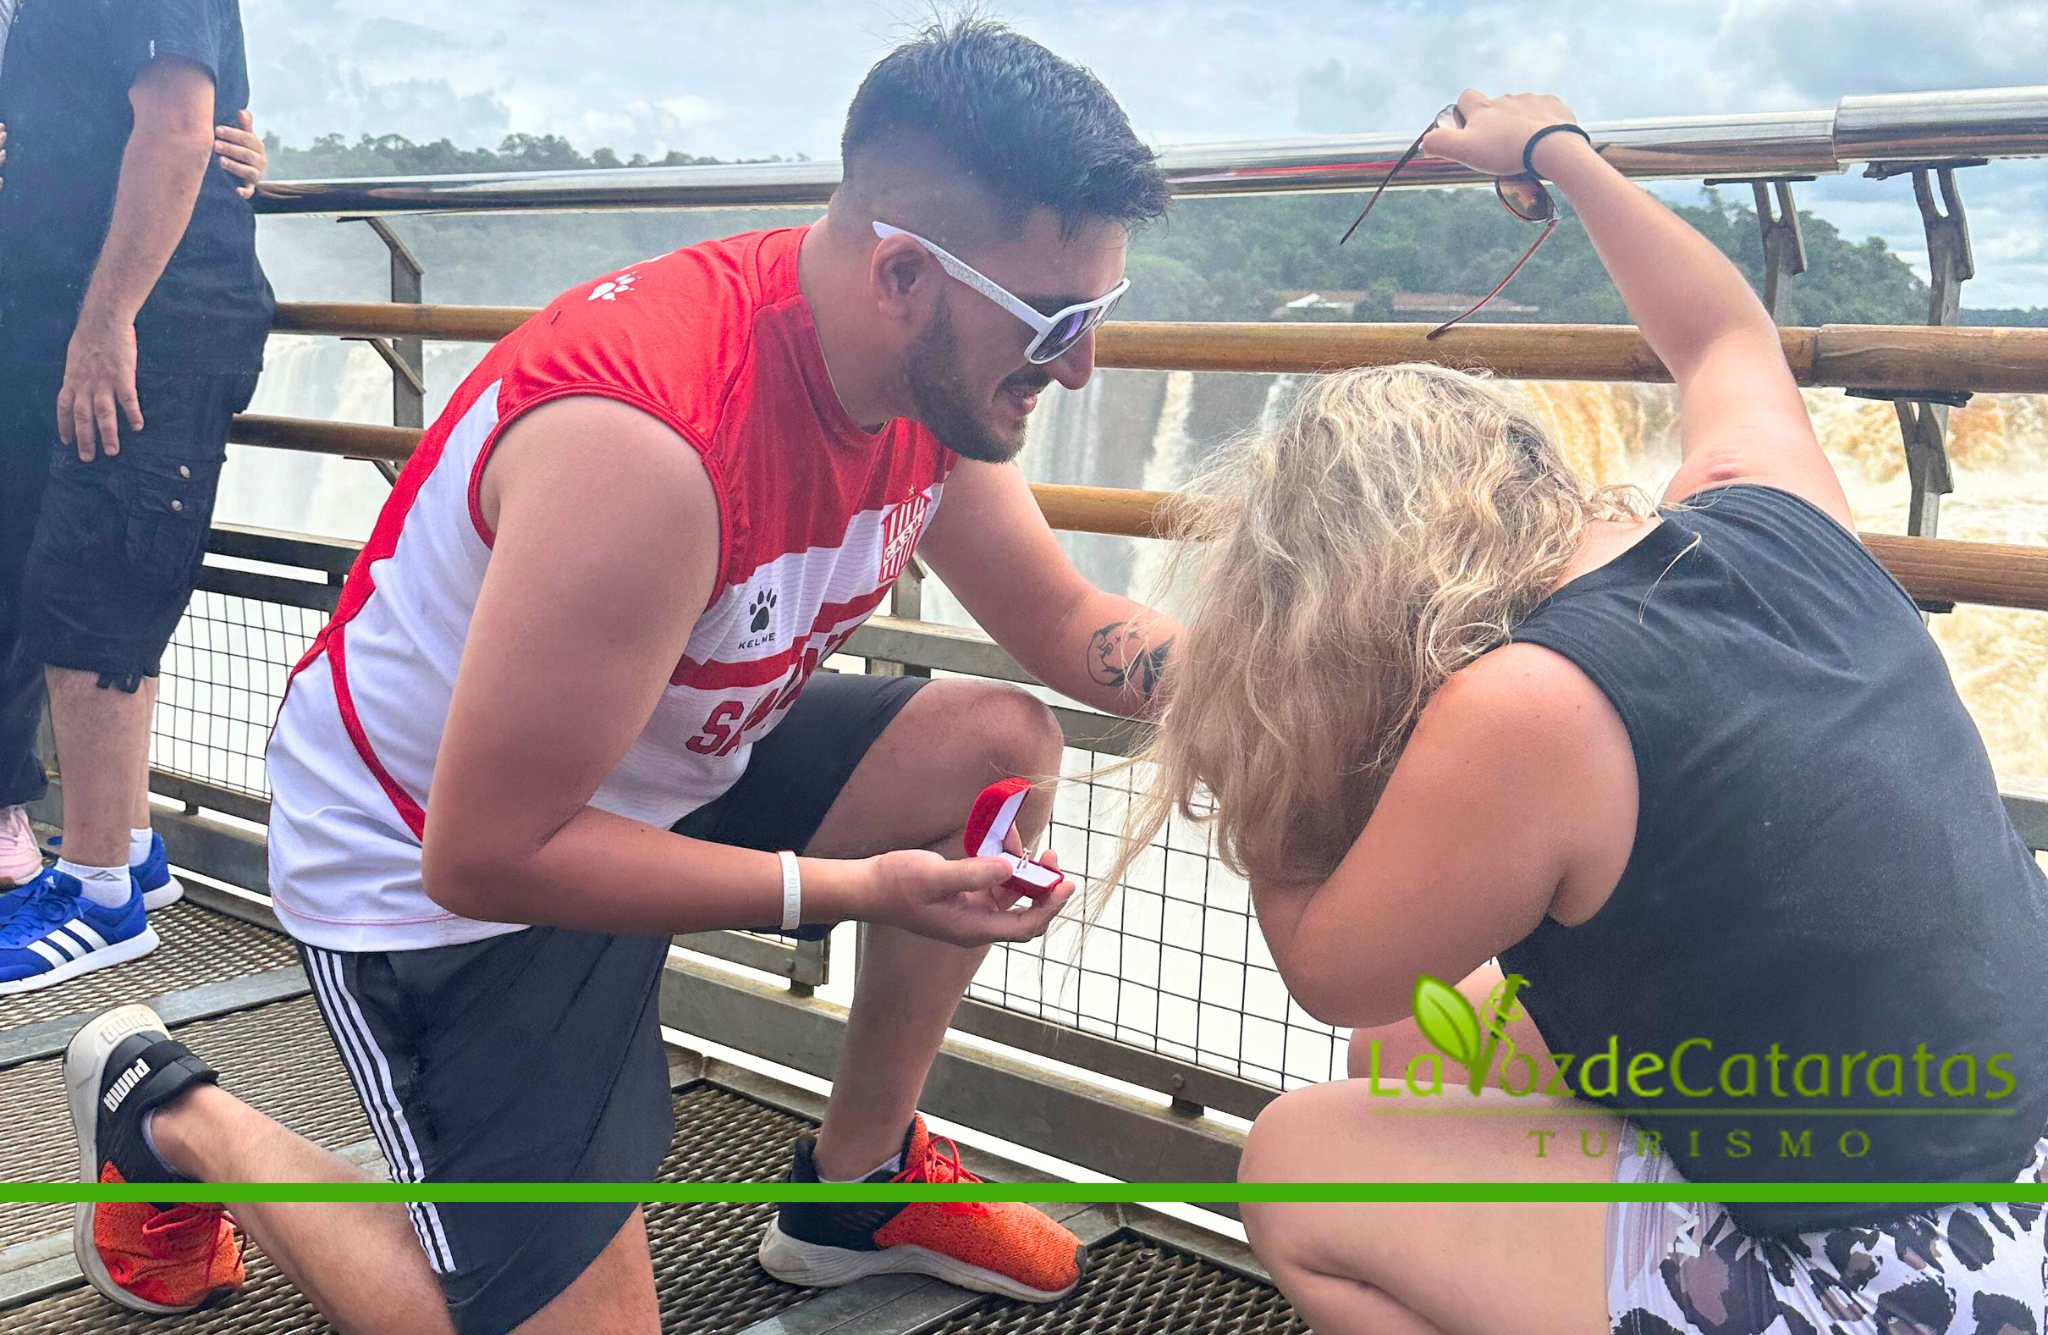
(1056, 334)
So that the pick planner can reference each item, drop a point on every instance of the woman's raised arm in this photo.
(1741, 417)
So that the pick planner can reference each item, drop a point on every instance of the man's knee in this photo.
(1015, 733)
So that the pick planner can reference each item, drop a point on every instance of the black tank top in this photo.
(1822, 868)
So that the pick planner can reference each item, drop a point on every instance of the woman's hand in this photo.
(1495, 130)
(3, 151)
(961, 902)
(241, 152)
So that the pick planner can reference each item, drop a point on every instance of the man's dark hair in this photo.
(1032, 129)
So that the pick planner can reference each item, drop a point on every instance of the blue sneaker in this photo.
(56, 934)
(153, 874)
(153, 877)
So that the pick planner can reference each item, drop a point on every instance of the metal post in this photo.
(1784, 248)
(813, 966)
(405, 356)
(1923, 416)
(1924, 423)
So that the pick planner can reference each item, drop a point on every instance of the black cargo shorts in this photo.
(119, 541)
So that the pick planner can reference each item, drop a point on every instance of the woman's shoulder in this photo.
(1519, 688)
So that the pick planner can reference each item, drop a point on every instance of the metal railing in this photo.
(1926, 137)
(1882, 131)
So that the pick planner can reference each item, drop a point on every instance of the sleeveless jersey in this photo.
(816, 519)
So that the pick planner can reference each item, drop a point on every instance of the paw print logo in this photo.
(762, 608)
(613, 288)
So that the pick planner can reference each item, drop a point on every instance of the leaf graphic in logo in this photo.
(1447, 1020)
(1499, 1009)
(1501, 1006)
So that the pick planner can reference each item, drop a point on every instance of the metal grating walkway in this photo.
(703, 1254)
(708, 1282)
(1139, 1287)
(277, 1056)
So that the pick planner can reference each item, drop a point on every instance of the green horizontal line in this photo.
(1080, 1192)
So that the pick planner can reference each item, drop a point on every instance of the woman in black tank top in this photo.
(1694, 776)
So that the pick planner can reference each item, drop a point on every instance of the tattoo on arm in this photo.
(1120, 657)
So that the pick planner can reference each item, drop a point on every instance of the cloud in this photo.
(324, 69)
(1825, 49)
(1332, 99)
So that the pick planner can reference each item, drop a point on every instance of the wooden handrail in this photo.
(1881, 357)
(399, 319)
(1932, 569)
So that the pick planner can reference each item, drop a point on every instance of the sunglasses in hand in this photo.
(1524, 196)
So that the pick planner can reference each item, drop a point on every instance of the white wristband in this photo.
(792, 893)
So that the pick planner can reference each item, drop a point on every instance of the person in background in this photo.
(132, 319)
(1696, 777)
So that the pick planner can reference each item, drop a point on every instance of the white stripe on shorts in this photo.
(371, 1074)
(349, 1042)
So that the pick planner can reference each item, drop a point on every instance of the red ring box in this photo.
(988, 824)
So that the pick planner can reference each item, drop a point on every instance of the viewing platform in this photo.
(1141, 1055)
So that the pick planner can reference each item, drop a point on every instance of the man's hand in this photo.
(99, 382)
(239, 150)
(3, 151)
(962, 902)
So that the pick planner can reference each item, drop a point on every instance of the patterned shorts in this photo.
(1942, 1270)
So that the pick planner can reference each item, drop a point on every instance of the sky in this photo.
(765, 77)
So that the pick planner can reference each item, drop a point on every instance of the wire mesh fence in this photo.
(1174, 962)
(222, 681)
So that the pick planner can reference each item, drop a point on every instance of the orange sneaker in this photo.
(160, 1259)
(1007, 1248)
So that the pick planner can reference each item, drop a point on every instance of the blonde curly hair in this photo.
(1396, 525)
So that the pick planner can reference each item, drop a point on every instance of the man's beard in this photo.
(943, 404)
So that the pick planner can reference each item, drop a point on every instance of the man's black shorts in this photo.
(118, 541)
(536, 1056)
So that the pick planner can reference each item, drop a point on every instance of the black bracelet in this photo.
(1529, 149)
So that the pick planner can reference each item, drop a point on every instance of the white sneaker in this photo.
(21, 857)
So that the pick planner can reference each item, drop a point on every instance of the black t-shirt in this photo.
(64, 99)
(1828, 922)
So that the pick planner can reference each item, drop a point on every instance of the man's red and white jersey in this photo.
(816, 518)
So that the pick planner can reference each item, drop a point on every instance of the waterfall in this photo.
(332, 380)
(1063, 439)
(1165, 470)
(1279, 398)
